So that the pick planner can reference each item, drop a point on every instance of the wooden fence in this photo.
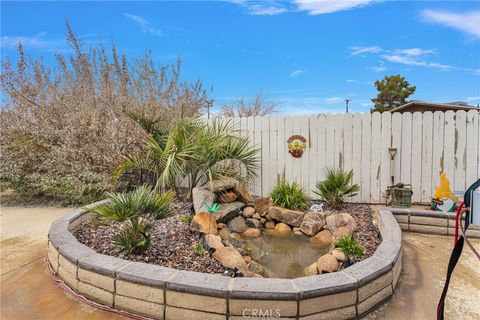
(427, 144)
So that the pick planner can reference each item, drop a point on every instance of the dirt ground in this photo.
(27, 291)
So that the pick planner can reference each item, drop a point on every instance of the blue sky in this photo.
(307, 55)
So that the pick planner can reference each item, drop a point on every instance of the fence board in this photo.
(427, 144)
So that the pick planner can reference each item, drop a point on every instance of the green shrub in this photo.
(198, 249)
(135, 235)
(349, 246)
(142, 201)
(289, 196)
(336, 186)
(186, 218)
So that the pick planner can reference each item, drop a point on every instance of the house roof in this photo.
(435, 106)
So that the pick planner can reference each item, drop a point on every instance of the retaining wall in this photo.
(164, 293)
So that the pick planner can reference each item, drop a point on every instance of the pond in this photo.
(284, 255)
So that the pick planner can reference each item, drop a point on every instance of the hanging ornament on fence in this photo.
(296, 145)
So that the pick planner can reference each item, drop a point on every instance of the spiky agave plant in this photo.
(134, 237)
(336, 187)
(289, 196)
(142, 201)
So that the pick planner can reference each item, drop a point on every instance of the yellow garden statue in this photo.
(444, 199)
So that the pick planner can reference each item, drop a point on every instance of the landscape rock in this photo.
(340, 219)
(220, 226)
(327, 263)
(339, 255)
(257, 216)
(223, 184)
(311, 270)
(312, 223)
(228, 211)
(225, 233)
(247, 259)
(227, 197)
(248, 212)
(251, 233)
(290, 217)
(269, 225)
(231, 258)
(237, 224)
(214, 241)
(203, 222)
(257, 268)
(262, 205)
(254, 223)
(342, 232)
(202, 198)
(323, 238)
(235, 244)
(243, 194)
(283, 228)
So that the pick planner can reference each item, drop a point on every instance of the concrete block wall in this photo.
(164, 293)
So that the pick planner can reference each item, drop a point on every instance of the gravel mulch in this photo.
(172, 243)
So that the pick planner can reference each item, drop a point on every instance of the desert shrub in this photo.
(141, 202)
(289, 196)
(349, 246)
(336, 187)
(186, 218)
(64, 127)
(134, 237)
(192, 153)
(257, 106)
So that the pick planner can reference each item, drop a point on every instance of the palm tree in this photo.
(192, 152)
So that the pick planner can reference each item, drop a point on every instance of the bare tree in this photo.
(257, 106)
(65, 126)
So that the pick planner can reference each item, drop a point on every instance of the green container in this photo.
(402, 197)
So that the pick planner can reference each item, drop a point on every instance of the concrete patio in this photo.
(27, 292)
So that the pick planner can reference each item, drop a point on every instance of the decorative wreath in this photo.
(296, 145)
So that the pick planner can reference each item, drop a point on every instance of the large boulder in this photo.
(323, 238)
(262, 205)
(312, 223)
(227, 197)
(311, 270)
(339, 255)
(243, 194)
(290, 217)
(202, 199)
(223, 184)
(237, 225)
(228, 211)
(327, 263)
(254, 223)
(248, 212)
(340, 219)
(251, 233)
(231, 258)
(204, 222)
(283, 228)
(343, 231)
(214, 241)
(225, 233)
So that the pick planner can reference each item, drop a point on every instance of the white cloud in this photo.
(36, 42)
(379, 69)
(355, 51)
(296, 73)
(315, 7)
(468, 22)
(414, 52)
(333, 99)
(350, 80)
(470, 99)
(144, 25)
(413, 61)
(261, 10)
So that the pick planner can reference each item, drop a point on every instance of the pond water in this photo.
(284, 255)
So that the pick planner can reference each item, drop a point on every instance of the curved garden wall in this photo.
(165, 293)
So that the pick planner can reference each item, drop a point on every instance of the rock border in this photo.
(165, 293)
(430, 222)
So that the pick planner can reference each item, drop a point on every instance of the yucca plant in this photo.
(134, 237)
(289, 196)
(349, 246)
(193, 152)
(142, 201)
(336, 187)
